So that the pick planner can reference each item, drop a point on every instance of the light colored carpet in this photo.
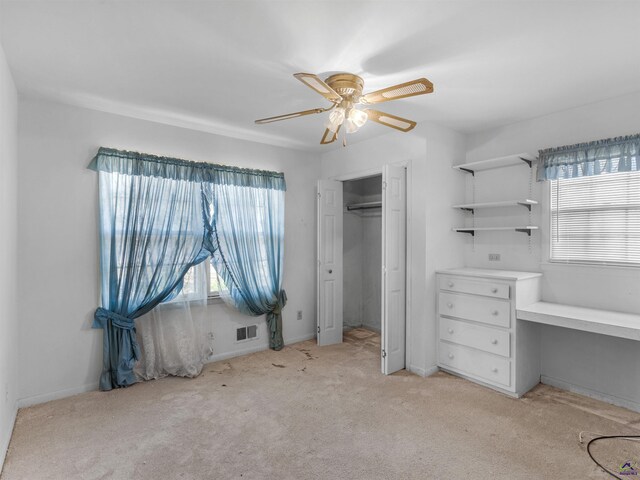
(314, 413)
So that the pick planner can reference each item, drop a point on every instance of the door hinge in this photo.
(384, 185)
(384, 353)
(318, 328)
(319, 195)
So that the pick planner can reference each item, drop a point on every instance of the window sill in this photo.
(214, 300)
(211, 300)
(593, 266)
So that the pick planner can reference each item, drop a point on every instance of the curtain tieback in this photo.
(282, 301)
(120, 321)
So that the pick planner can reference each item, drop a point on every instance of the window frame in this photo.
(575, 262)
(202, 294)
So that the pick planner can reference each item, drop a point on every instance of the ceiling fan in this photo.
(344, 91)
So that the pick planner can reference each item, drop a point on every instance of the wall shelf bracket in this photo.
(526, 160)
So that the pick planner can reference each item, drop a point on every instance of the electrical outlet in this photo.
(494, 257)
(299, 315)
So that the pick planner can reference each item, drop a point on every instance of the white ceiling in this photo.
(217, 66)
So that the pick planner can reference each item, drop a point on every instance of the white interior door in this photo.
(329, 299)
(394, 252)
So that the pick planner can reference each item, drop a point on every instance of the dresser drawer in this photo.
(472, 307)
(488, 339)
(475, 287)
(474, 363)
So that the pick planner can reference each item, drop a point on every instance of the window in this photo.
(200, 282)
(596, 219)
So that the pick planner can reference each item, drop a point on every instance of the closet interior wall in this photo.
(362, 255)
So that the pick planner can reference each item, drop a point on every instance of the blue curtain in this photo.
(155, 224)
(246, 235)
(620, 154)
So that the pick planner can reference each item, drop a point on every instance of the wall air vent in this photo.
(246, 333)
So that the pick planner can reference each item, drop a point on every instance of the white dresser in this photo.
(479, 338)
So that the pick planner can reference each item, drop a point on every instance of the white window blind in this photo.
(596, 219)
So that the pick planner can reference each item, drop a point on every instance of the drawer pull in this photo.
(450, 305)
(450, 284)
(495, 313)
(450, 330)
(451, 355)
(494, 370)
(494, 341)
(494, 290)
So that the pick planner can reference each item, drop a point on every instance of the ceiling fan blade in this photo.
(392, 121)
(290, 115)
(420, 86)
(329, 136)
(314, 82)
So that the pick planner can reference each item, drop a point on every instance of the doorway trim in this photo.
(372, 172)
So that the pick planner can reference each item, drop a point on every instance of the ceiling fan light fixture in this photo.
(350, 126)
(358, 117)
(336, 118)
(344, 91)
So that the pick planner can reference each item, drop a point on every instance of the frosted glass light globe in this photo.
(336, 117)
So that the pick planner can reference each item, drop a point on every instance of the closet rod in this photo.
(364, 206)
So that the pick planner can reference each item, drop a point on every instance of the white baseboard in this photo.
(417, 370)
(587, 392)
(431, 370)
(4, 445)
(256, 348)
(47, 397)
(423, 372)
(302, 338)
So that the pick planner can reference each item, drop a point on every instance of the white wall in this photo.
(59, 354)
(433, 186)
(599, 366)
(8, 254)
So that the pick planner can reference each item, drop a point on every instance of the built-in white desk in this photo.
(488, 332)
(604, 322)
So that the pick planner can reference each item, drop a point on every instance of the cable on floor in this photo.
(634, 438)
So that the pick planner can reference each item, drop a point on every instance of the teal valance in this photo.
(619, 154)
(133, 163)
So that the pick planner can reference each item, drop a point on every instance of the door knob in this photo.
(494, 313)
(494, 290)
(450, 305)
(494, 341)
(451, 355)
(450, 330)
(330, 271)
(494, 370)
(450, 284)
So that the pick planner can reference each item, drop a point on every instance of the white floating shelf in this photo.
(507, 161)
(472, 230)
(506, 203)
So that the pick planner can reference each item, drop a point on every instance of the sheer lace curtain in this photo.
(174, 339)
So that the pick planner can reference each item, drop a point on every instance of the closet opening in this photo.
(362, 255)
(362, 263)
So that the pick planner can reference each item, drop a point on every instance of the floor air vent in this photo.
(246, 333)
